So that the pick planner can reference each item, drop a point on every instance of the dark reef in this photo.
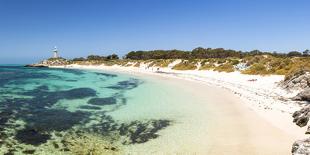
(102, 101)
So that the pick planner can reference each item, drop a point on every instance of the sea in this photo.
(71, 111)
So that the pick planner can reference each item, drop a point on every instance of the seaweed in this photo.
(102, 101)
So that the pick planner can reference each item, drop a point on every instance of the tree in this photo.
(294, 54)
(112, 57)
(79, 59)
(95, 57)
(306, 53)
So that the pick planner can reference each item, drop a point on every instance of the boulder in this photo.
(301, 147)
(303, 95)
(299, 81)
(301, 117)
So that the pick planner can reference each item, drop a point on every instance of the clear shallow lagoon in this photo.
(61, 111)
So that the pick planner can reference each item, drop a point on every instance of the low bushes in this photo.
(186, 65)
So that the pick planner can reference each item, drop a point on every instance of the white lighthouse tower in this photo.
(55, 53)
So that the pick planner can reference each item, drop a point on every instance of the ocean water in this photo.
(62, 111)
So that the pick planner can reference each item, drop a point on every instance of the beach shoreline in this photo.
(251, 95)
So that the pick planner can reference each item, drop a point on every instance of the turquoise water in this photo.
(61, 111)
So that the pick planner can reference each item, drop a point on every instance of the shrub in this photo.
(255, 69)
(137, 64)
(185, 65)
(225, 68)
(207, 66)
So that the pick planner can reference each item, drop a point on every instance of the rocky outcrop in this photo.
(300, 81)
(303, 95)
(50, 62)
(55, 62)
(301, 147)
(301, 118)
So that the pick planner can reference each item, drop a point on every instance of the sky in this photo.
(29, 29)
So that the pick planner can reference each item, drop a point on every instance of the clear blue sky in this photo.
(29, 29)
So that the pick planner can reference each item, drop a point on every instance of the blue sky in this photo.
(29, 29)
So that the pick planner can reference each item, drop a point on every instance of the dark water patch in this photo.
(38, 115)
(135, 132)
(102, 101)
(126, 85)
(19, 75)
(31, 136)
(106, 74)
(78, 93)
(87, 107)
(71, 71)
(54, 119)
(42, 97)
(4, 117)
(71, 80)
(141, 132)
(29, 151)
(105, 126)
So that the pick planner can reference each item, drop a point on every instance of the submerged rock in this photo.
(31, 136)
(126, 85)
(87, 107)
(102, 101)
(141, 132)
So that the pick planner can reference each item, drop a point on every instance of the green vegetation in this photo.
(186, 65)
(159, 62)
(205, 53)
(207, 65)
(298, 66)
(256, 68)
(227, 67)
(219, 59)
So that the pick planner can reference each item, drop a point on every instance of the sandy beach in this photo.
(239, 116)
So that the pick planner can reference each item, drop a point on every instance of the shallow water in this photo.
(61, 111)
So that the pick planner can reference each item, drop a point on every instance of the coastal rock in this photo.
(303, 95)
(301, 117)
(301, 147)
(308, 130)
(299, 81)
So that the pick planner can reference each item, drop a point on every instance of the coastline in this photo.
(260, 101)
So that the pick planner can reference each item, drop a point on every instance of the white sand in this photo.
(257, 122)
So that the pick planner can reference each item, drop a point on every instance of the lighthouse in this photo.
(55, 52)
